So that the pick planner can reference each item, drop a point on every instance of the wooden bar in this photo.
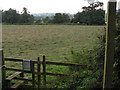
(44, 72)
(13, 69)
(33, 74)
(12, 59)
(39, 75)
(49, 62)
(65, 64)
(16, 85)
(110, 45)
(23, 78)
(0, 69)
(3, 71)
(13, 75)
(47, 73)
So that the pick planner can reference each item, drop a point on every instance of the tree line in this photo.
(91, 15)
(11, 16)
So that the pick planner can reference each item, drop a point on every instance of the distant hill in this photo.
(43, 15)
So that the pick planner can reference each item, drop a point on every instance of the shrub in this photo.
(92, 75)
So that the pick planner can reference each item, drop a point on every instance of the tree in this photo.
(11, 16)
(91, 15)
(25, 17)
(66, 18)
(61, 18)
(93, 5)
(47, 20)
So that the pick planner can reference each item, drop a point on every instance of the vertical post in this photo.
(0, 49)
(39, 73)
(3, 69)
(0, 69)
(44, 71)
(33, 74)
(110, 45)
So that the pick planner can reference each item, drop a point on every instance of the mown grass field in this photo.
(53, 41)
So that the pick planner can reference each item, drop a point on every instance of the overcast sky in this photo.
(47, 6)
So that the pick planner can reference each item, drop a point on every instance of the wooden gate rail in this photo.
(41, 73)
(45, 62)
(49, 62)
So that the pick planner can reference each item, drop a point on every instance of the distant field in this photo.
(54, 41)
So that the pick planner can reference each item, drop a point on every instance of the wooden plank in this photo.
(65, 64)
(3, 71)
(44, 72)
(110, 45)
(0, 69)
(16, 85)
(12, 59)
(47, 73)
(13, 76)
(33, 73)
(48, 62)
(39, 74)
(13, 69)
(62, 64)
(23, 78)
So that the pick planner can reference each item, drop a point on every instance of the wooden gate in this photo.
(28, 66)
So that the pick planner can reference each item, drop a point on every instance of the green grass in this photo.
(53, 41)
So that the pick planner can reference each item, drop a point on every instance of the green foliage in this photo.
(92, 75)
(93, 6)
(94, 17)
(116, 73)
(13, 17)
(91, 15)
(61, 18)
(26, 18)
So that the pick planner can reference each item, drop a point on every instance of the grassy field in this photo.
(54, 41)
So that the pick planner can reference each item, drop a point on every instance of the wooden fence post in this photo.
(0, 69)
(3, 69)
(39, 73)
(33, 74)
(44, 71)
(110, 45)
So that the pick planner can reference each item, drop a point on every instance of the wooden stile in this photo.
(39, 72)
